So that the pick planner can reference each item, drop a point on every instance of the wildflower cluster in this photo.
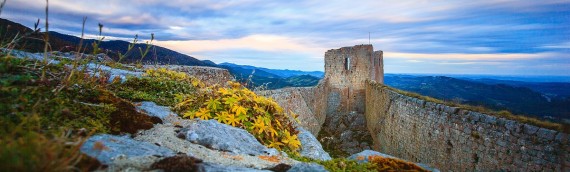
(240, 107)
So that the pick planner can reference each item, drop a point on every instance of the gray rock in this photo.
(106, 148)
(113, 73)
(530, 129)
(311, 147)
(302, 167)
(546, 134)
(218, 136)
(152, 109)
(210, 167)
(366, 153)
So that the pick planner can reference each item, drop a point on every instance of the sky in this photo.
(499, 37)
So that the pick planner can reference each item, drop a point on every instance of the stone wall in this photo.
(343, 89)
(301, 101)
(209, 75)
(452, 139)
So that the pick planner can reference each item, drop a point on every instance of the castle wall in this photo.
(459, 140)
(344, 131)
(302, 101)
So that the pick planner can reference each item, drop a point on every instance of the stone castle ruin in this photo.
(350, 111)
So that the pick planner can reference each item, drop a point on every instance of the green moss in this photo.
(336, 164)
(160, 90)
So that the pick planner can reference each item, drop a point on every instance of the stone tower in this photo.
(346, 70)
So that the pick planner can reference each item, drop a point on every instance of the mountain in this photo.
(550, 89)
(497, 96)
(61, 42)
(279, 72)
(257, 77)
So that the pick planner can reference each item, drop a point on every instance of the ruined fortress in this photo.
(350, 110)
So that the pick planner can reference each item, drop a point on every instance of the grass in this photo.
(501, 114)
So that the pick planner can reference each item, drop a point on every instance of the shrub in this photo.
(240, 107)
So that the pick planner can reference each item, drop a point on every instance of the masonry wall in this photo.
(208, 75)
(301, 101)
(452, 139)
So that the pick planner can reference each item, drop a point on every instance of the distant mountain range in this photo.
(271, 78)
(528, 98)
(279, 72)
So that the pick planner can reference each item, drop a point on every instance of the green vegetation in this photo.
(158, 89)
(502, 114)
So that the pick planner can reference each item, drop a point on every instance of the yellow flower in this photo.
(278, 123)
(272, 132)
(291, 141)
(235, 84)
(258, 109)
(213, 104)
(221, 117)
(275, 144)
(239, 109)
(189, 114)
(259, 124)
(224, 91)
(232, 120)
(203, 114)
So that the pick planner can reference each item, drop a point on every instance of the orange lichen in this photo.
(390, 164)
(270, 158)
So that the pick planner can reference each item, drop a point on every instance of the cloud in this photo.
(457, 56)
(455, 34)
(564, 45)
(273, 43)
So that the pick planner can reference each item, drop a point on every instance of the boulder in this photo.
(152, 109)
(106, 148)
(310, 146)
(302, 167)
(218, 136)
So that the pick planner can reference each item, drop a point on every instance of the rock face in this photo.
(215, 135)
(459, 140)
(311, 147)
(106, 148)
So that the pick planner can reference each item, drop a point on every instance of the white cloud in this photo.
(256, 42)
(564, 45)
(459, 56)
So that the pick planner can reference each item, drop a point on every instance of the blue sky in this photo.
(503, 37)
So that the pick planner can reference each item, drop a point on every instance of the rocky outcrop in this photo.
(453, 139)
(218, 136)
(311, 147)
(106, 148)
